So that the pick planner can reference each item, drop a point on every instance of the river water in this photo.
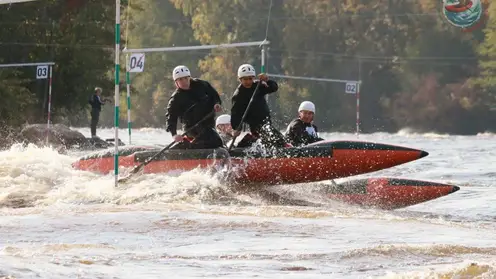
(57, 222)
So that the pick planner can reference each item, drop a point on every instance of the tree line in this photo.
(417, 70)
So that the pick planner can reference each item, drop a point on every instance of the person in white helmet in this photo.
(258, 116)
(194, 101)
(223, 126)
(302, 131)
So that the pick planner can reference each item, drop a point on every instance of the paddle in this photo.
(244, 115)
(147, 161)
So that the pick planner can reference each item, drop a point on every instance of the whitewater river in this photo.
(75, 224)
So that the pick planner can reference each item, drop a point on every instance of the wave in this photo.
(466, 269)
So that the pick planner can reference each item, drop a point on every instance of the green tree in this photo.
(155, 23)
(417, 70)
(234, 21)
(487, 52)
(76, 35)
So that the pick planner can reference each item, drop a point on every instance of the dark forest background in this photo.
(418, 71)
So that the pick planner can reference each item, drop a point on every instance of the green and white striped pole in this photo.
(128, 89)
(116, 96)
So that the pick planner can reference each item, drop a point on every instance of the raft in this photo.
(388, 193)
(319, 161)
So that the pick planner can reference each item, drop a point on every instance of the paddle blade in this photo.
(124, 179)
(133, 171)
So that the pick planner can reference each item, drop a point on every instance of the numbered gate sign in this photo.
(136, 63)
(42, 72)
(351, 87)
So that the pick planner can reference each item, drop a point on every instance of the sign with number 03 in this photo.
(136, 63)
(41, 72)
(351, 87)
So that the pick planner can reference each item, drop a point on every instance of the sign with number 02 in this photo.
(136, 63)
(41, 72)
(351, 87)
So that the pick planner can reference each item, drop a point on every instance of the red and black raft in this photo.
(388, 193)
(315, 162)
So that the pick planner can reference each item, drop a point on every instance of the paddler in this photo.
(193, 101)
(223, 126)
(302, 131)
(258, 116)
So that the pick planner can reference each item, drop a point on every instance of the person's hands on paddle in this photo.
(263, 79)
(217, 108)
(178, 138)
(236, 133)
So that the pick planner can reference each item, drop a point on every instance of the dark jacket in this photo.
(96, 103)
(259, 110)
(300, 133)
(191, 106)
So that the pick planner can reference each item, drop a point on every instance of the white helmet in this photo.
(307, 105)
(246, 70)
(180, 71)
(223, 119)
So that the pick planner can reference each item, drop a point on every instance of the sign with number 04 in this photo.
(136, 63)
(351, 87)
(41, 72)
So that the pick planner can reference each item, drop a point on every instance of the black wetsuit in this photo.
(258, 117)
(300, 133)
(96, 107)
(191, 106)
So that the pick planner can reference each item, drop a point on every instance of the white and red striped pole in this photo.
(49, 100)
